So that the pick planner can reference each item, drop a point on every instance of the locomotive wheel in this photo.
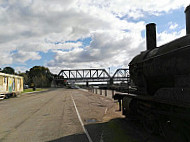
(124, 112)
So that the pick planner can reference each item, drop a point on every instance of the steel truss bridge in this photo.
(93, 75)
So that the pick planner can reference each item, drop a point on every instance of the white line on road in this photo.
(82, 124)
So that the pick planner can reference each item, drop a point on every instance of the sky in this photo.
(76, 34)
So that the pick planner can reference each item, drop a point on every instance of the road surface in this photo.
(58, 115)
(67, 115)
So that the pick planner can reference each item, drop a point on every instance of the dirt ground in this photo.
(118, 128)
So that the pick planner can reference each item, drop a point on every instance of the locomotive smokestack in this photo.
(151, 36)
(187, 13)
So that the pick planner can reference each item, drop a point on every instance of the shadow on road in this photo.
(72, 138)
(115, 130)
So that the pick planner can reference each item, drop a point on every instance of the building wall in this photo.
(10, 83)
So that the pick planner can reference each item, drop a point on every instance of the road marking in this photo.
(82, 124)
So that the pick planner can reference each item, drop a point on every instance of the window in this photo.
(5, 80)
(1, 80)
(13, 84)
(18, 83)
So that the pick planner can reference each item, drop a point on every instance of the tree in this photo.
(26, 77)
(40, 76)
(8, 70)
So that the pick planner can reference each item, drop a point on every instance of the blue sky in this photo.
(83, 33)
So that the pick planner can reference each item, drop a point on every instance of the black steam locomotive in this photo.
(160, 92)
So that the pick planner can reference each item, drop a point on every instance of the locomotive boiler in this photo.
(167, 66)
(160, 90)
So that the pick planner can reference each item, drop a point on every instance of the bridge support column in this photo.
(105, 92)
(87, 84)
(112, 93)
(111, 81)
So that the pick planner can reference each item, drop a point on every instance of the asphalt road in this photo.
(57, 115)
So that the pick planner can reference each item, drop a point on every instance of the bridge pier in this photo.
(111, 81)
(87, 84)
(112, 93)
(100, 91)
(105, 92)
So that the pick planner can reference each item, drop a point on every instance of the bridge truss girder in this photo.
(121, 74)
(93, 75)
(83, 75)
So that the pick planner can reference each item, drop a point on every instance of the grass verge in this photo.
(31, 90)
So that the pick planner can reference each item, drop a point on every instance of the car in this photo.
(26, 86)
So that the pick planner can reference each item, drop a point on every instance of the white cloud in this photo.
(111, 48)
(5, 59)
(136, 8)
(172, 26)
(21, 69)
(27, 25)
(46, 46)
(166, 37)
(22, 56)
(33, 26)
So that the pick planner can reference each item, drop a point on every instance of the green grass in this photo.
(31, 90)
